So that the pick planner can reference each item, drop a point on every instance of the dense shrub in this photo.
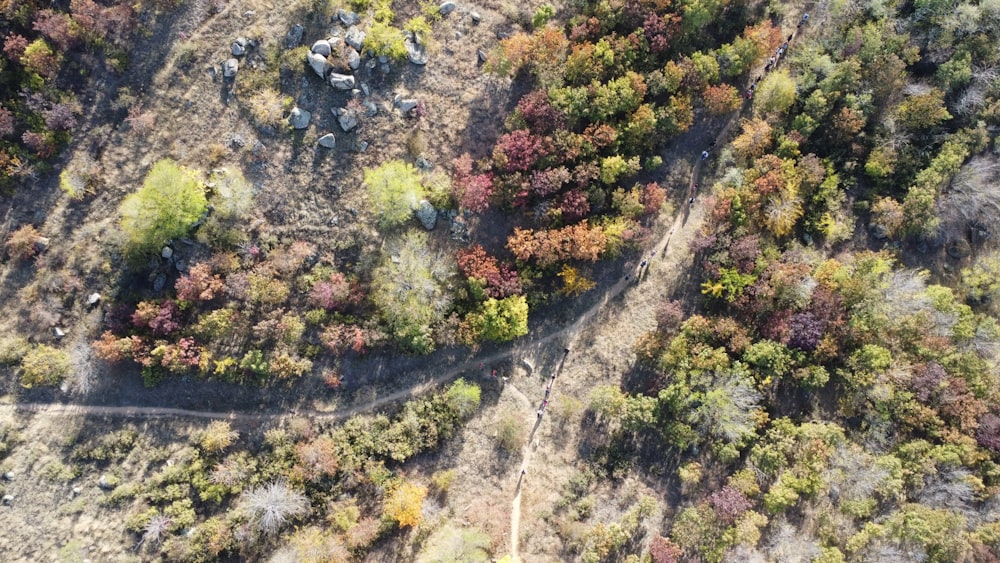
(44, 365)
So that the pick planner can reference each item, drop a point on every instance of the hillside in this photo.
(702, 280)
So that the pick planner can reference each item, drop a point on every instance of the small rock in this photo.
(355, 38)
(93, 298)
(353, 59)
(77, 490)
(878, 231)
(383, 59)
(8, 476)
(355, 93)
(41, 244)
(328, 141)
(321, 47)
(59, 332)
(167, 252)
(365, 89)
(446, 8)
(482, 55)
(319, 64)
(384, 68)
(230, 67)
(501, 34)
(249, 13)
(294, 36)
(348, 18)
(424, 164)
(476, 18)
(415, 52)
(341, 81)
(160, 282)
(370, 108)
(7, 500)
(407, 105)
(347, 121)
(299, 118)
(239, 47)
(427, 215)
(107, 483)
(370, 65)
(362, 147)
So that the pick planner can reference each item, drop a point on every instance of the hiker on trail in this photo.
(545, 403)
(626, 277)
(789, 38)
(523, 471)
(704, 155)
(785, 46)
(548, 390)
(539, 413)
(691, 201)
(643, 265)
(711, 143)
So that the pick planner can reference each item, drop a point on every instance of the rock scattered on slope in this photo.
(230, 67)
(427, 215)
(328, 141)
(239, 47)
(319, 64)
(321, 47)
(446, 8)
(299, 118)
(294, 37)
(355, 38)
(341, 81)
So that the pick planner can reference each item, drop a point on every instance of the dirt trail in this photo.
(613, 338)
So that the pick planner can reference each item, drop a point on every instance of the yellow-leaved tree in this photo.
(405, 504)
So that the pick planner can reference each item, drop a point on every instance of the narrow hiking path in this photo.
(634, 314)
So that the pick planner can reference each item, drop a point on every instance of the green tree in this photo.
(171, 199)
(409, 290)
(501, 320)
(395, 190)
(775, 94)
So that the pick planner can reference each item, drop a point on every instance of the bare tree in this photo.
(972, 202)
(270, 506)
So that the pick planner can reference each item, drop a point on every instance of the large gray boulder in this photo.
(355, 38)
(427, 215)
(353, 58)
(415, 52)
(347, 120)
(299, 118)
(321, 47)
(239, 47)
(230, 67)
(341, 81)
(319, 64)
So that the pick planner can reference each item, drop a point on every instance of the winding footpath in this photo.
(660, 250)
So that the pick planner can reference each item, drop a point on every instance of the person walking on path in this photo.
(704, 155)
